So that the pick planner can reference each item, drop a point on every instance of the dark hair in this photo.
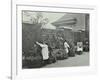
(65, 40)
(46, 43)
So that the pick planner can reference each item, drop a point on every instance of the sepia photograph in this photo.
(55, 39)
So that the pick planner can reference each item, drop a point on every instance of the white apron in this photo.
(66, 47)
(45, 51)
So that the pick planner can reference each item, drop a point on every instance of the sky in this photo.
(28, 16)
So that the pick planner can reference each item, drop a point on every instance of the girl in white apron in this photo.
(45, 51)
(66, 46)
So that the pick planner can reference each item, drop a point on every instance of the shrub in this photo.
(61, 54)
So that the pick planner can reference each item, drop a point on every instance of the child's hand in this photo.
(37, 42)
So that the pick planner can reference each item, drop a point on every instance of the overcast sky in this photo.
(27, 16)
